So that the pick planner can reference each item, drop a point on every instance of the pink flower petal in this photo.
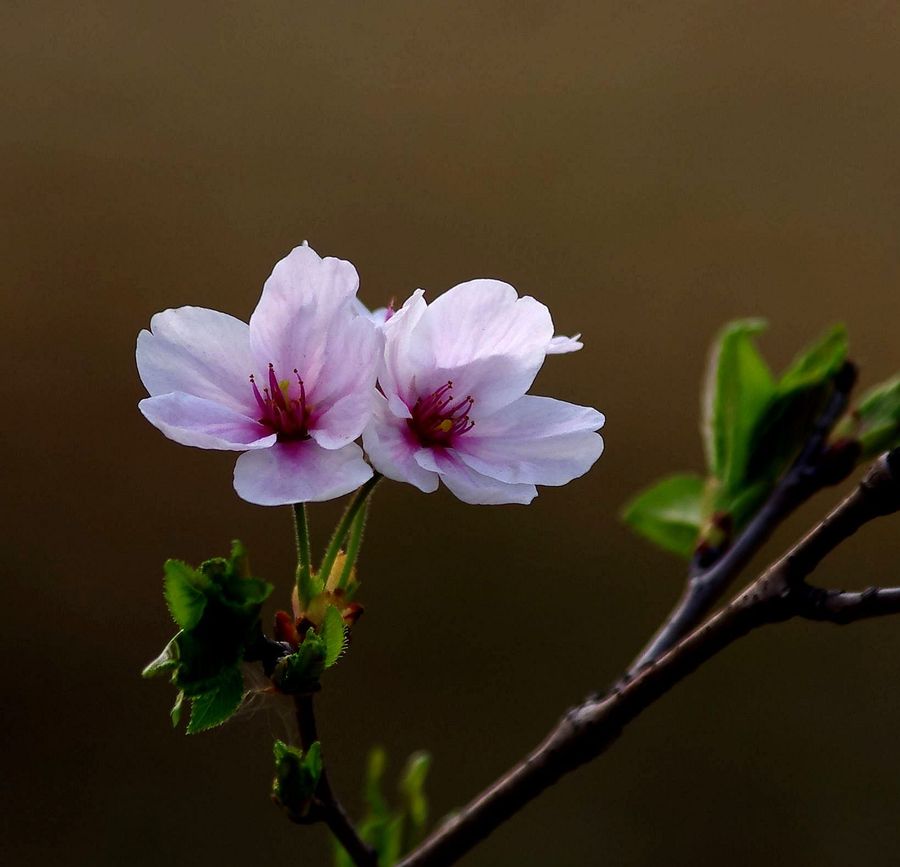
(205, 424)
(342, 397)
(392, 450)
(299, 472)
(398, 371)
(560, 345)
(485, 339)
(200, 352)
(298, 305)
(536, 440)
(471, 486)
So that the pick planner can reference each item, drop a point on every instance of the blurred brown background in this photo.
(648, 170)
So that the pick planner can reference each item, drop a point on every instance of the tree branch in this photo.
(588, 730)
(814, 469)
(842, 607)
(327, 806)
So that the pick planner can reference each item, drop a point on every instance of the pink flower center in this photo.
(283, 414)
(437, 419)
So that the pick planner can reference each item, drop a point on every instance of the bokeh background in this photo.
(647, 169)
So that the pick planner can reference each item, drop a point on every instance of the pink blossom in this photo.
(453, 403)
(292, 390)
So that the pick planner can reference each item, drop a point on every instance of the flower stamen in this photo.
(287, 416)
(437, 420)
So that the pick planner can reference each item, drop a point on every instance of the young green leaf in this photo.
(334, 634)
(184, 592)
(300, 672)
(375, 766)
(817, 364)
(177, 708)
(165, 662)
(800, 395)
(738, 389)
(412, 787)
(218, 703)
(670, 513)
(296, 776)
(878, 415)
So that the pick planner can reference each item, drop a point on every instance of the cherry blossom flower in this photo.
(292, 390)
(453, 405)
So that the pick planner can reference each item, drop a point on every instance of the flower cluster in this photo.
(437, 392)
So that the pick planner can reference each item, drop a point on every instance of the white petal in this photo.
(299, 301)
(559, 345)
(485, 339)
(379, 315)
(197, 351)
(193, 421)
(471, 486)
(344, 421)
(392, 449)
(398, 372)
(536, 440)
(299, 472)
(341, 399)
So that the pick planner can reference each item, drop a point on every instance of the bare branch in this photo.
(588, 730)
(809, 473)
(842, 607)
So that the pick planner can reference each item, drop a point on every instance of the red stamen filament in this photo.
(437, 420)
(287, 416)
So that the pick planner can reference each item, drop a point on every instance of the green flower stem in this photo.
(344, 525)
(354, 543)
(304, 555)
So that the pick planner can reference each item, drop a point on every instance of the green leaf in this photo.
(787, 423)
(296, 776)
(817, 364)
(670, 513)
(878, 415)
(739, 386)
(334, 634)
(184, 592)
(312, 761)
(218, 608)
(412, 787)
(391, 847)
(300, 672)
(215, 705)
(240, 562)
(375, 767)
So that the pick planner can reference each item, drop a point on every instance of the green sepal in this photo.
(220, 698)
(739, 386)
(334, 634)
(300, 672)
(296, 777)
(878, 418)
(670, 513)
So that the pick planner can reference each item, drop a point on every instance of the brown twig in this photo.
(809, 473)
(327, 807)
(588, 730)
